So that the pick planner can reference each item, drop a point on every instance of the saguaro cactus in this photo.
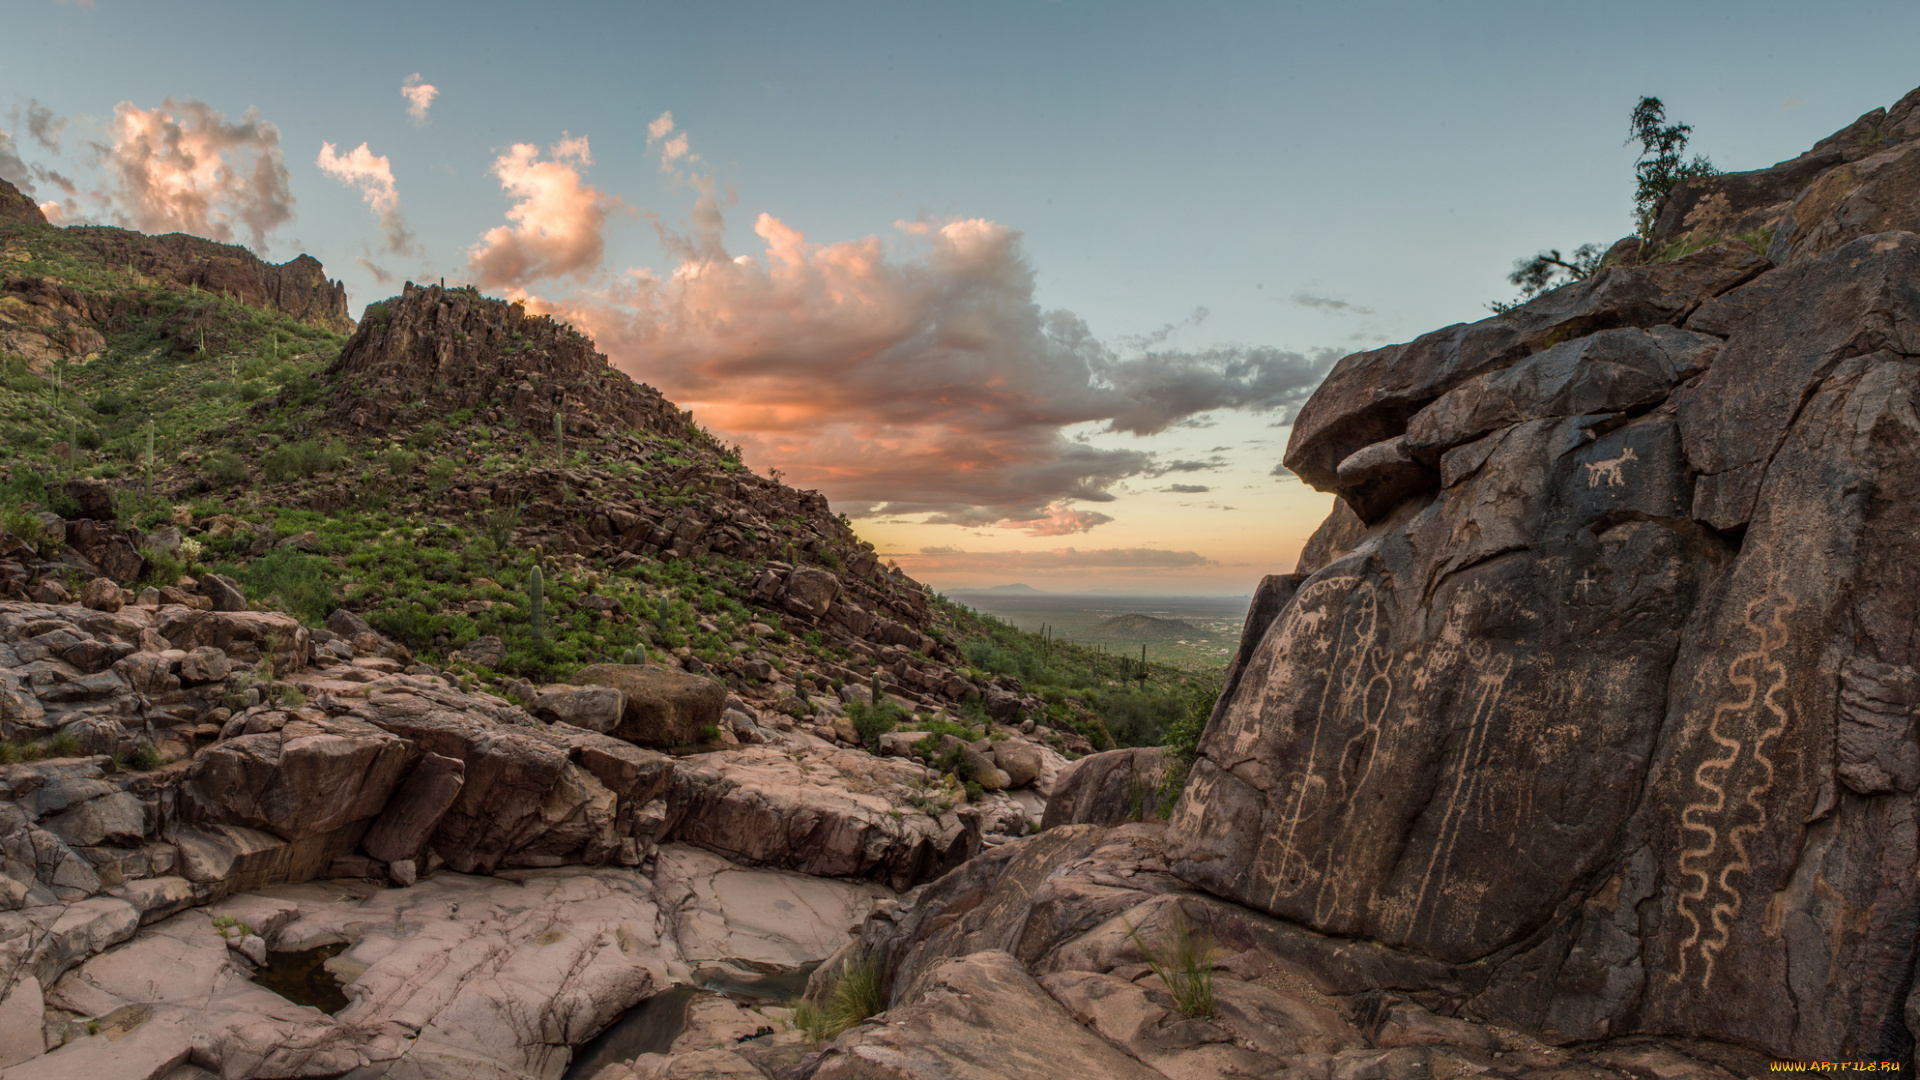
(559, 437)
(634, 656)
(537, 607)
(876, 689)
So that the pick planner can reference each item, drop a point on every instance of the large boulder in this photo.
(835, 813)
(663, 707)
(251, 636)
(1109, 788)
(314, 775)
(1610, 729)
(810, 591)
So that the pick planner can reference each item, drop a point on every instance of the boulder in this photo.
(222, 592)
(205, 664)
(1019, 759)
(488, 651)
(595, 708)
(834, 813)
(93, 496)
(409, 818)
(810, 591)
(663, 707)
(101, 594)
(313, 776)
(242, 635)
(1109, 788)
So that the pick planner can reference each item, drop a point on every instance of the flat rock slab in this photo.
(469, 977)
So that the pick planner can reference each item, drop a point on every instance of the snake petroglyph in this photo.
(1735, 782)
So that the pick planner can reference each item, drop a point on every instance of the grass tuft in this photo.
(1184, 963)
(856, 995)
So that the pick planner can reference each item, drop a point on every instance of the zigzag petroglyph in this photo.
(1719, 824)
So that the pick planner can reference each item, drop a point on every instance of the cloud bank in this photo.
(559, 221)
(917, 376)
(419, 95)
(373, 176)
(181, 167)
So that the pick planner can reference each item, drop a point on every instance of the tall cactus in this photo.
(537, 607)
(635, 656)
(149, 457)
(559, 437)
(876, 689)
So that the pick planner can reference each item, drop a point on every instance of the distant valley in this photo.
(1188, 631)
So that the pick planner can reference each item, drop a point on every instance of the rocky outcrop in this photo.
(1606, 724)
(660, 707)
(1052, 939)
(15, 206)
(432, 350)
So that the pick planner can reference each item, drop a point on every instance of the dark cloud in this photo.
(1186, 489)
(1329, 304)
(1165, 467)
(44, 126)
(12, 169)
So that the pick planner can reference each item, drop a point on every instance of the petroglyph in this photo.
(1735, 783)
(1609, 471)
(1468, 780)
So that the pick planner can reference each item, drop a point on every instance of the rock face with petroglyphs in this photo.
(1594, 700)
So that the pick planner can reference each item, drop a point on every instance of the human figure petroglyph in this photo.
(1742, 728)
(1610, 469)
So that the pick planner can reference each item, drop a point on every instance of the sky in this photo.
(1028, 289)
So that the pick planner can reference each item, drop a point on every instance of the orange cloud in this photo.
(54, 213)
(558, 221)
(360, 168)
(180, 167)
(419, 97)
(917, 377)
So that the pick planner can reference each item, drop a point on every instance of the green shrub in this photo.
(440, 474)
(298, 579)
(873, 721)
(377, 314)
(300, 460)
(224, 470)
(399, 461)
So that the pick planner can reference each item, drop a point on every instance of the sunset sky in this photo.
(1028, 289)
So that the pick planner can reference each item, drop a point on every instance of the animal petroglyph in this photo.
(1609, 471)
(1734, 782)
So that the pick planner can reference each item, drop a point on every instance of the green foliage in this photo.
(399, 461)
(145, 758)
(1660, 165)
(709, 733)
(299, 581)
(1548, 270)
(300, 460)
(224, 470)
(228, 926)
(1184, 963)
(440, 474)
(873, 721)
(537, 607)
(377, 314)
(1182, 742)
